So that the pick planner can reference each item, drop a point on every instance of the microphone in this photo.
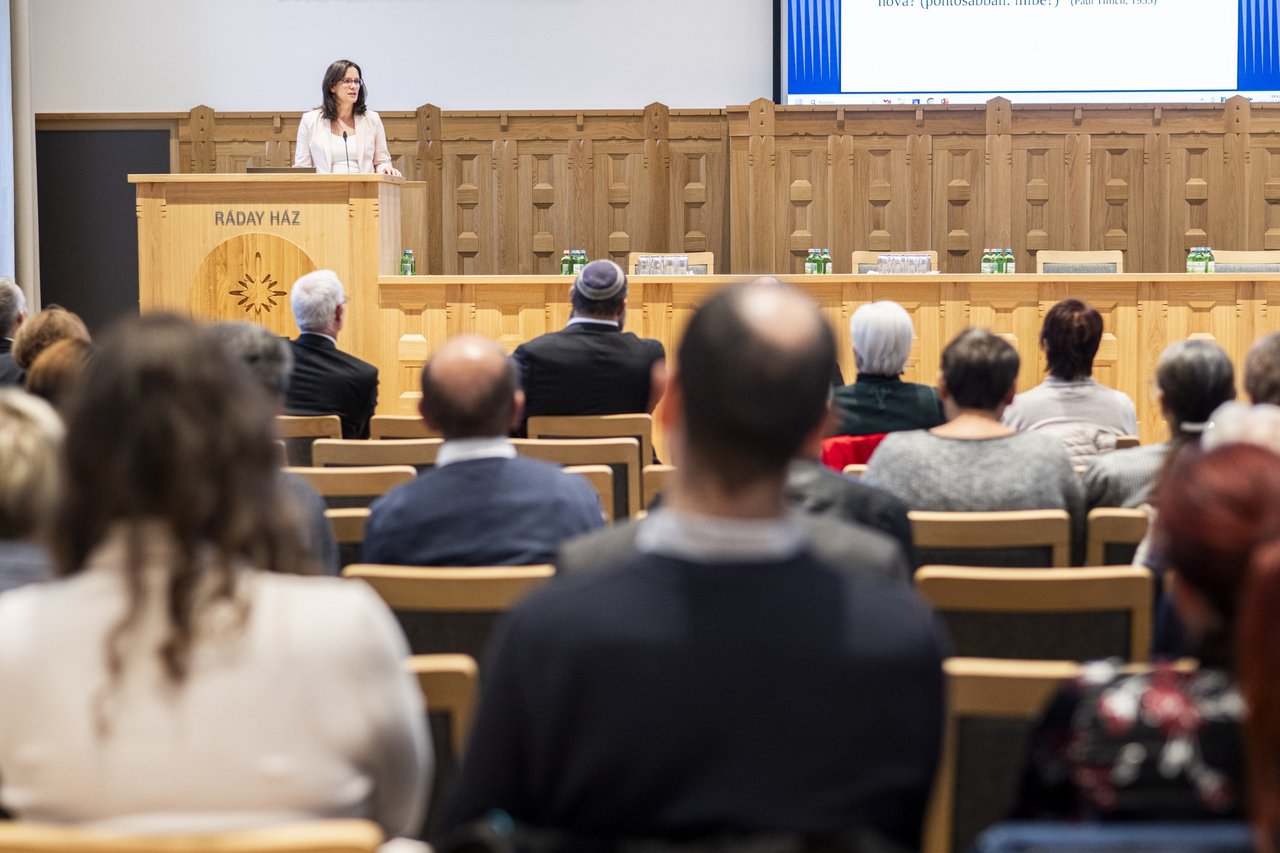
(346, 151)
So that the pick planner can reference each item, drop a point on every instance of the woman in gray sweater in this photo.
(973, 462)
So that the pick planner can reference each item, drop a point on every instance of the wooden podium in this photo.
(229, 247)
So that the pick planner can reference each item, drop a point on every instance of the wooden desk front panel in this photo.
(1142, 314)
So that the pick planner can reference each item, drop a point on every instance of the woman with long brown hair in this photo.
(180, 675)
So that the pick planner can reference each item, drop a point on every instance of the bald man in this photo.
(481, 505)
(721, 681)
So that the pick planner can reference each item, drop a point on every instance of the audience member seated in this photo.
(1193, 378)
(181, 676)
(325, 380)
(1262, 370)
(1069, 403)
(481, 505)
(30, 443)
(270, 361)
(1164, 744)
(878, 400)
(13, 310)
(44, 329)
(56, 372)
(592, 367)
(719, 681)
(973, 462)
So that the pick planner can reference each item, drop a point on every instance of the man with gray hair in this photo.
(13, 310)
(592, 367)
(325, 380)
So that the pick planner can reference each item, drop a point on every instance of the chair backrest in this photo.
(400, 426)
(348, 531)
(1043, 614)
(1033, 537)
(355, 486)
(1229, 261)
(299, 432)
(1124, 442)
(865, 261)
(1106, 261)
(992, 707)
(637, 426)
(841, 450)
(418, 452)
(449, 684)
(656, 480)
(318, 836)
(601, 479)
(450, 609)
(622, 455)
(854, 470)
(1113, 535)
(1178, 836)
(700, 263)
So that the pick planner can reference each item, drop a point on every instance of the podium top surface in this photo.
(241, 178)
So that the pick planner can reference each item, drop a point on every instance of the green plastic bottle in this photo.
(1209, 264)
(566, 263)
(406, 263)
(811, 262)
(988, 265)
(826, 262)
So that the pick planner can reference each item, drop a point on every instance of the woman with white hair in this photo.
(30, 477)
(879, 401)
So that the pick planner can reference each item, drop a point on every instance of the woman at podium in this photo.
(343, 136)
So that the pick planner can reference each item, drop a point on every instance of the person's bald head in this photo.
(469, 389)
(754, 374)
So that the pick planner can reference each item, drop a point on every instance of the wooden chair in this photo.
(622, 455)
(700, 263)
(449, 685)
(318, 836)
(400, 426)
(450, 609)
(864, 261)
(1246, 262)
(637, 426)
(854, 470)
(348, 530)
(1125, 442)
(656, 480)
(1043, 614)
(1107, 261)
(299, 432)
(355, 486)
(992, 707)
(1113, 535)
(601, 479)
(418, 452)
(1017, 537)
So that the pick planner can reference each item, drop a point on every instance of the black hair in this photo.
(1070, 336)
(600, 309)
(979, 368)
(333, 77)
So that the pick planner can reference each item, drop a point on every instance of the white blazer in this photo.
(369, 144)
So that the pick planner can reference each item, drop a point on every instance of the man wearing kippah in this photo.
(592, 367)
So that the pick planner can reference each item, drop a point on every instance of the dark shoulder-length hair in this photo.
(1070, 336)
(333, 77)
(168, 433)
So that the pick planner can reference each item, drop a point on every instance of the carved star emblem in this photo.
(258, 290)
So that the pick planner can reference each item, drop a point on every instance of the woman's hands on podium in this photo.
(388, 169)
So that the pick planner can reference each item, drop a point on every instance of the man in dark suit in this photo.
(325, 380)
(13, 310)
(481, 504)
(721, 681)
(592, 367)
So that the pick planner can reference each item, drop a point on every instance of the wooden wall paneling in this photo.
(509, 215)
(543, 207)
(754, 218)
(414, 320)
(511, 313)
(1197, 197)
(1203, 308)
(959, 211)
(1235, 165)
(622, 202)
(698, 204)
(428, 167)
(468, 208)
(202, 130)
(803, 200)
(920, 194)
(1116, 207)
(842, 179)
(655, 175)
(998, 173)
(881, 206)
(1262, 192)
(1159, 242)
(1076, 175)
(1039, 205)
(582, 211)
